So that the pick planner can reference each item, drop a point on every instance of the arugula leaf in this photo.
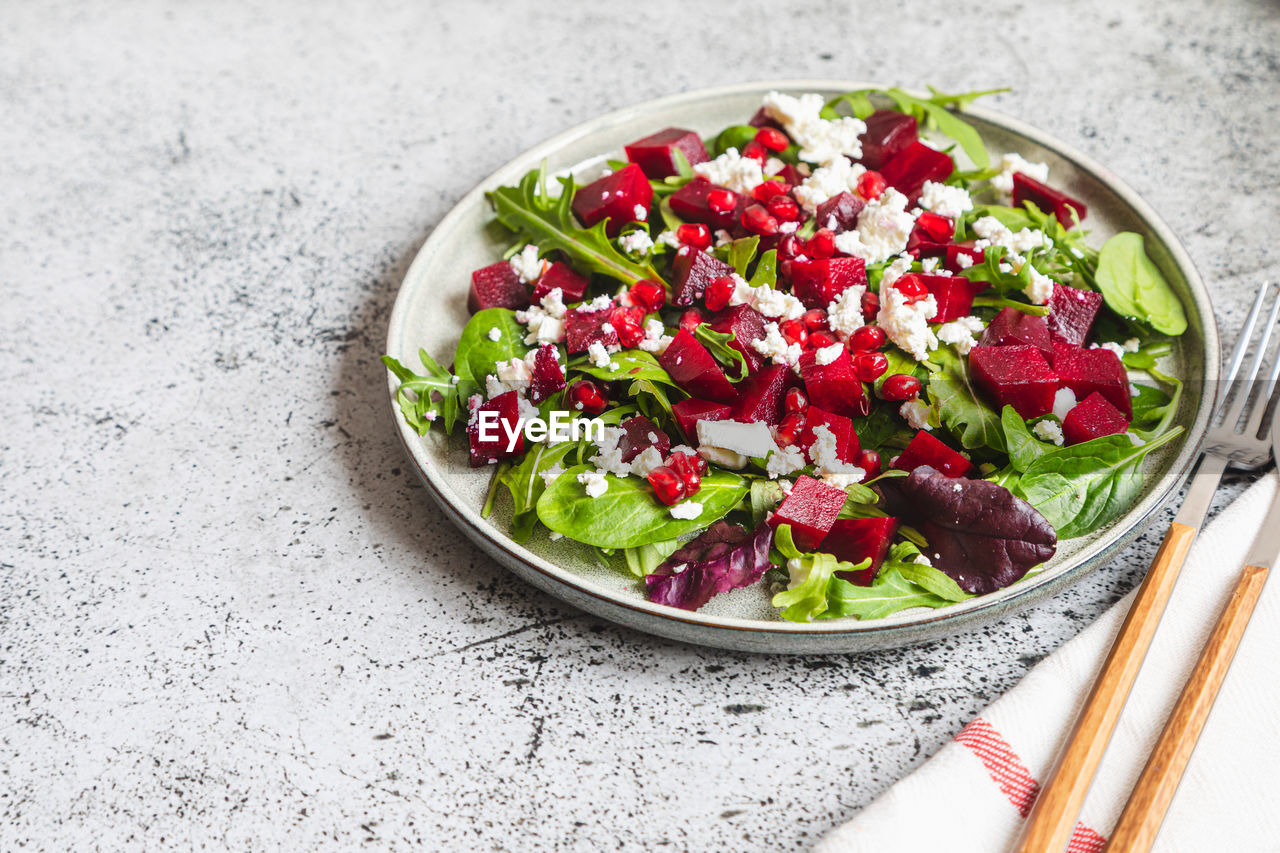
(934, 112)
(959, 406)
(627, 514)
(1133, 285)
(881, 427)
(811, 578)
(717, 343)
(891, 591)
(1023, 447)
(1082, 487)
(477, 353)
(526, 485)
(766, 270)
(643, 559)
(654, 400)
(536, 217)
(1162, 414)
(764, 496)
(414, 396)
(1016, 304)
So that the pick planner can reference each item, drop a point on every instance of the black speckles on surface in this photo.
(222, 589)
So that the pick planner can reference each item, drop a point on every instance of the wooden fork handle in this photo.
(1048, 828)
(1143, 814)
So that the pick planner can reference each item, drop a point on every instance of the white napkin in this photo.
(973, 795)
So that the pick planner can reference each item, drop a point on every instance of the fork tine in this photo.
(1242, 345)
(1262, 406)
(1242, 395)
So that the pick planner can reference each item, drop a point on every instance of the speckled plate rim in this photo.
(837, 635)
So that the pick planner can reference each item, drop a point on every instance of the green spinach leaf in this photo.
(766, 270)
(1133, 285)
(1023, 447)
(477, 353)
(960, 407)
(643, 559)
(526, 485)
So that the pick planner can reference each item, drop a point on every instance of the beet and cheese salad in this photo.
(810, 353)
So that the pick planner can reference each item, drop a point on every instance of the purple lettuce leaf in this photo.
(724, 557)
(979, 532)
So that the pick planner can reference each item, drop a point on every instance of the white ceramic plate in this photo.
(430, 312)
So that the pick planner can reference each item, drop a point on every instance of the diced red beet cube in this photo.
(1012, 327)
(847, 445)
(615, 197)
(639, 434)
(852, 540)
(655, 154)
(930, 235)
(924, 449)
(547, 375)
(497, 286)
(954, 294)
(834, 386)
(695, 370)
(840, 212)
(572, 286)
(1087, 370)
(818, 283)
(791, 175)
(1093, 417)
(763, 119)
(690, 204)
(810, 508)
(1071, 314)
(1045, 197)
(694, 269)
(889, 133)
(583, 328)
(953, 253)
(689, 412)
(488, 432)
(760, 396)
(1017, 376)
(747, 326)
(907, 171)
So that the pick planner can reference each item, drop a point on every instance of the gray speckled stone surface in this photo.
(229, 616)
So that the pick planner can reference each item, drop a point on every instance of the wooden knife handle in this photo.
(1143, 814)
(1048, 827)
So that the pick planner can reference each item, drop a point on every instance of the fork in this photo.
(1233, 439)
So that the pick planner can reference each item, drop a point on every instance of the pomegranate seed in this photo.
(755, 151)
(815, 319)
(586, 396)
(784, 208)
(772, 139)
(648, 294)
(939, 228)
(818, 340)
(667, 484)
(794, 331)
(722, 201)
(821, 245)
(690, 320)
(869, 461)
(694, 234)
(871, 185)
(790, 246)
(795, 400)
(628, 324)
(900, 387)
(717, 294)
(867, 338)
(870, 366)
(870, 305)
(758, 221)
(686, 466)
(769, 189)
(789, 430)
(911, 287)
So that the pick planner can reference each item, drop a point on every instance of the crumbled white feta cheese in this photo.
(766, 300)
(945, 200)
(527, 265)
(723, 237)
(964, 260)
(773, 166)
(749, 439)
(993, 233)
(907, 325)
(1109, 345)
(788, 227)
(609, 456)
(655, 340)
(724, 458)
(844, 315)
(495, 334)
(636, 242)
(732, 171)
(598, 355)
(774, 347)
(549, 476)
(828, 354)
(600, 303)
(785, 461)
(915, 413)
(827, 463)
(928, 265)
(820, 140)
(512, 375)
(883, 228)
(838, 176)
(1040, 288)
(687, 510)
(669, 238)
(1064, 400)
(640, 212)
(960, 333)
(546, 320)
(595, 482)
(1049, 431)
(648, 459)
(1131, 345)
(901, 266)
(1010, 163)
(921, 559)
(607, 328)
